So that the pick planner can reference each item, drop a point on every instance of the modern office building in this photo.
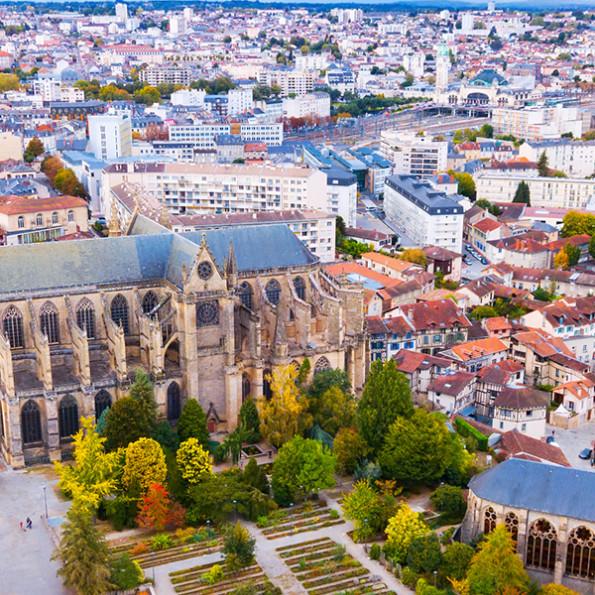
(414, 155)
(110, 137)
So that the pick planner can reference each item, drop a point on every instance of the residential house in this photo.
(490, 382)
(577, 396)
(514, 444)
(582, 241)
(446, 261)
(478, 293)
(388, 337)
(474, 355)
(452, 392)
(498, 326)
(421, 369)
(375, 239)
(484, 231)
(521, 408)
(392, 267)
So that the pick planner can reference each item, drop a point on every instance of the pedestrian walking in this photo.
(29, 523)
(22, 528)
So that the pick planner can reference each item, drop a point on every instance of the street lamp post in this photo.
(441, 496)
(153, 562)
(291, 508)
(45, 499)
(366, 536)
(235, 504)
(435, 575)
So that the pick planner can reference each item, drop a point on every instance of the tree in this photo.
(144, 466)
(303, 467)
(147, 95)
(35, 148)
(154, 508)
(256, 476)
(364, 507)
(573, 252)
(495, 568)
(84, 555)
(50, 166)
(9, 82)
(193, 423)
(92, 476)
(334, 410)
(386, 396)
(418, 449)
(457, 137)
(193, 461)
(424, 554)
(561, 260)
(486, 131)
(456, 560)
(66, 182)
(554, 589)
(349, 448)
(125, 423)
(279, 417)
(481, 312)
(522, 194)
(592, 247)
(449, 501)
(125, 574)
(414, 255)
(142, 391)
(484, 203)
(542, 166)
(238, 547)
(575, 224)
(402, 530)
(166, 436)
(466, 184)
(249, 418)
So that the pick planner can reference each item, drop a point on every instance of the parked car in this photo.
(585, 453)
(483, 260)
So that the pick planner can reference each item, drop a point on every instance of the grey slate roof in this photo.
(540, 487)
(151, 252)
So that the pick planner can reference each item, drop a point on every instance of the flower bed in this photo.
(323, 567)
(306, 518)
(195, 580)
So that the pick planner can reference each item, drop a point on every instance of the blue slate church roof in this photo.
(541, 487)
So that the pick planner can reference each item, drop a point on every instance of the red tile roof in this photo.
(15, 205)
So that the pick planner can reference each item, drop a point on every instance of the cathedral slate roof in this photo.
(151, 253)
(540, 487)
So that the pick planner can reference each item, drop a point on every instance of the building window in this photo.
(21, 222)
(273, 291)
(54, 218)
(246, 295)
(489, 520)
(321, 364)
(85, 318)
(48, 320)
(31, 422)
(207, 313)
(39, 219)
(512, 524)
(70, 215)
(246, 387)
(149, 302)
(174, 402)
(119, 312)
(300, 288)
(267, 391)
(103, 400)
(12, 324)
(68, 416)
(541, 545)
(580, 553)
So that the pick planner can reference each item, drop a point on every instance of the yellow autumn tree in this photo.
(145, 465)
(404, 528)
(193, 461)
(281, 417)
(561, 260)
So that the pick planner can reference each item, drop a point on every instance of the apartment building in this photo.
(540, 122)
(574, 157)
(566, 193)
(234, 188)
(298, 82)
(429, 217)
(341, 191)
(312, 105)
(203, 135)
(239, 101)
(413, 155)
(110, 137)
(28, 220)
(165, 73)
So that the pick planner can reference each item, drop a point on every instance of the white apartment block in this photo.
(341, 194)
(574, 157)
(540, 122)
(426, 215)
(563, 193)
(110, 137)
(175, 75)
(414, 155)
(203, 135)
(233, 188)
(298, 82)
(239, 101)
(189, 97)
(312, 105)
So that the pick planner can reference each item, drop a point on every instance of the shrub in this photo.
(408, 577)
(449, 501)
(464, 428)
(139, 549)
(161, 541)
(214, 575)
(333, 514)
(338, 552)
(375, 552)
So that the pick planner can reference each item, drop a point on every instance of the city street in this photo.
(573, 441)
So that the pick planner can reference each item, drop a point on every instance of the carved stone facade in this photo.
(555, 545)
(206, 316)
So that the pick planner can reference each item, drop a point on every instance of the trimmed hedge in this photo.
(465, 429)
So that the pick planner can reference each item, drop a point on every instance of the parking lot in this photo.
(573, 441)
